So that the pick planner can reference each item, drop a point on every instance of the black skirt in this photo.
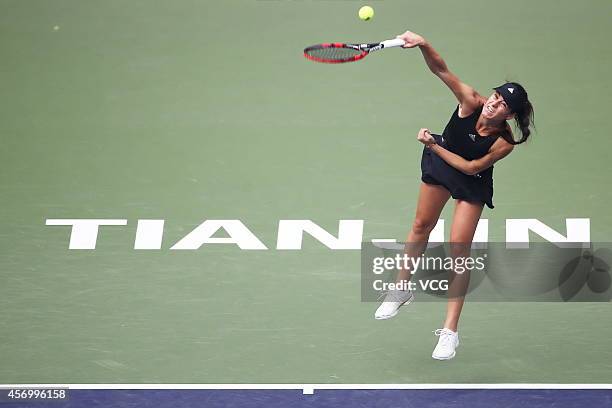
(477, 188)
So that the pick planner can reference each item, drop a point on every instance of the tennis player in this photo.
(459, 164)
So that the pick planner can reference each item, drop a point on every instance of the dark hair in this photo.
(523, 119)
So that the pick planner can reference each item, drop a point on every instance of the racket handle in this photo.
(396, 42)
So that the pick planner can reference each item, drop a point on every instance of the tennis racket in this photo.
(335, 53)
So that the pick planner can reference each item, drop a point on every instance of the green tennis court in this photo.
(189, 111)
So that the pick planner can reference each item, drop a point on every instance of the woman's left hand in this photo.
(425, 137)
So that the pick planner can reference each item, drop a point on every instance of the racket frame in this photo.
(364, 50)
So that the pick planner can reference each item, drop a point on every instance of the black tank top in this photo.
(460, 137)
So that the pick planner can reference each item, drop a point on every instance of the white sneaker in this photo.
(447, 343)
(394, 299)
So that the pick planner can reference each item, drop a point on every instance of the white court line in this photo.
(309, 389)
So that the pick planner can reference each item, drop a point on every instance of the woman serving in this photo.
(459, 164)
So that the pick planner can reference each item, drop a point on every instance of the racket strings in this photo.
(332, 53)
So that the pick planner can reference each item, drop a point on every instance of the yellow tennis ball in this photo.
(366, 13)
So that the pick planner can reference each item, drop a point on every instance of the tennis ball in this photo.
(366, 13)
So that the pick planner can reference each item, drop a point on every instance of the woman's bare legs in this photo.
(465, 221)
(432, 199)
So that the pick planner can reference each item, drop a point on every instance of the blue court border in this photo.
(282, 398)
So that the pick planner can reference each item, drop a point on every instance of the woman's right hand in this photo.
(411, 39)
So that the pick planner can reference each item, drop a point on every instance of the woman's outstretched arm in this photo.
(468, 98)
